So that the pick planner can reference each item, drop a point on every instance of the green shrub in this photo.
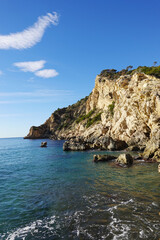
(154, 71)
(83, 117)
(93, 120)
(111, 108)
(114, 74)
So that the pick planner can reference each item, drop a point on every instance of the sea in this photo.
(46, 193)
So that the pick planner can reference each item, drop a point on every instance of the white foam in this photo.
(32, 227)
(154, 204)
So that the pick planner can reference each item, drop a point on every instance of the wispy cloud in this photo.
(30, 36)
(38, 96)
(47, 73)
(38, 93)
(31, 66)
(20, 101)
(12, 115)
(1, 72)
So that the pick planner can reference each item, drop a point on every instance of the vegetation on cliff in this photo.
(111, 108)
(60, 120)
(113, 74)
(85, 116)
(93, 120)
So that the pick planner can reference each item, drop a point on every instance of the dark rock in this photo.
(133, 148)
(116, 145)
(73, 145)
(43, 144)
(138, 158)
(125, 159)
(103, 158)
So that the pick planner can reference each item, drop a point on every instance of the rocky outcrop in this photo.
(40, 132)
(125, 159)
(61, 123)
(101, 143)
(119, 113)
(103, 158)
(157, 156)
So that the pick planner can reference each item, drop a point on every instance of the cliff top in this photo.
(113, 74)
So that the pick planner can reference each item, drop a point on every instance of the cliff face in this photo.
(61, 123)
(119, 112)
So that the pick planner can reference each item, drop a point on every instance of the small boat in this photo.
(43, 144)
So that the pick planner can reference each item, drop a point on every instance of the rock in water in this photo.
(43, 144)
(103, 158)
(125, 159)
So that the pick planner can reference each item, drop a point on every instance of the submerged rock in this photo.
(103, 158)
(125, 159)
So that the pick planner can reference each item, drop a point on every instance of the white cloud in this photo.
(34, 66)
(30, 36)
(1, 72)
(31, 66)
(47, 73)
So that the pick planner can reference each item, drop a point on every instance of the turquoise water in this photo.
(46, 193)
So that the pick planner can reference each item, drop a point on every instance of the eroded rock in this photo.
(125, 159)
(103, 158)
(129, 109)
(157, 155)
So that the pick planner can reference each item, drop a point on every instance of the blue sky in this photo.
(52, 50)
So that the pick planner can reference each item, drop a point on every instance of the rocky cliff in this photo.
(122, 111)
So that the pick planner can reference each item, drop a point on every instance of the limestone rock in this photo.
(157, 155)
(129, 115)
(74, 146)
(125, 159)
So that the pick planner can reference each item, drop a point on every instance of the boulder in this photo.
(157, 156)
(125, 159)
(103, 158)
(43, 144)
(74, 146)
(153, 145)
(116, 145)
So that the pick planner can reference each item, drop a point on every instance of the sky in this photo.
(52, 50)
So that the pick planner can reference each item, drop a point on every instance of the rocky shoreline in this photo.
(123, 160)
(121, 113)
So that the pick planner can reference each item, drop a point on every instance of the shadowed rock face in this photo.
(125, 159)
(119, 113)
(103, 158)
